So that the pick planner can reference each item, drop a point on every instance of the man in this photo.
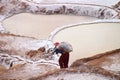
(64, 58)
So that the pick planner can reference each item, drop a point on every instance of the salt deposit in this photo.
(90, 39)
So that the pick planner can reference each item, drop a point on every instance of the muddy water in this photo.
(88, 40)
(39, 26)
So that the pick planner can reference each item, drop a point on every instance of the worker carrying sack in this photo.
(65, 46)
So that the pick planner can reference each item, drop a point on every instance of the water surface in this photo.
(88, 40)
(40, 26)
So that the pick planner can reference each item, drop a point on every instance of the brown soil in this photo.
(99, 60)
(80, 70)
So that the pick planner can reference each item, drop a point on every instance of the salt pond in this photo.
(40, 26)
(88, 40)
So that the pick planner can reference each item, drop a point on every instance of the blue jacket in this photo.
(57, 51)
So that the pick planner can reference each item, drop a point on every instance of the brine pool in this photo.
(87, 40)
(40, 26)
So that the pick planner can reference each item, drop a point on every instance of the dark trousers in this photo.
(63, 60)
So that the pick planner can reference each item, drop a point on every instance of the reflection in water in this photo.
(40, 26)
(88, 40)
